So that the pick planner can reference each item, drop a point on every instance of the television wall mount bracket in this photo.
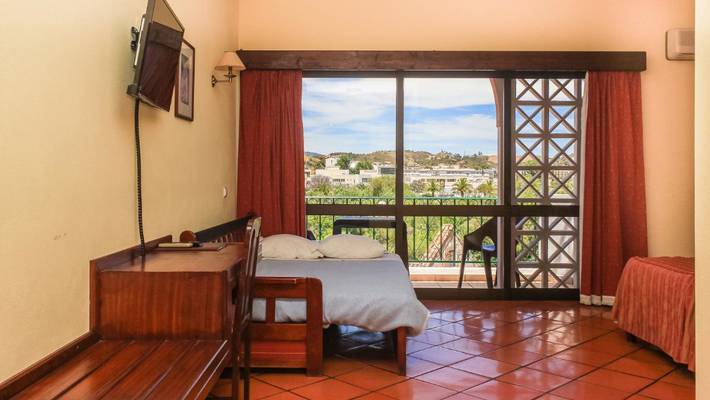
(135, 36)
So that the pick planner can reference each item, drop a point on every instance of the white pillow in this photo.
(351, 246)
(289, 247)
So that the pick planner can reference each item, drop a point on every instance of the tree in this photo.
(344, 161)
(462, 187)
(364, 164)
(433, 187)
(382, 186)
(319, 185)
(486, 189)
(314, 163)
(418, 186)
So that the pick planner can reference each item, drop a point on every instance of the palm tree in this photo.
(462, 187)
(486, 189)
(432, 188)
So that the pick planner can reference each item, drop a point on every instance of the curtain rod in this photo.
(385, 60)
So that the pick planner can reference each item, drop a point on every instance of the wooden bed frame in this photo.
(287, 345)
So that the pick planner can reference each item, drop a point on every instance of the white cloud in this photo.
(438, 93)
(346, 115)
(464, 134)
(338, 101)
(359, 141)
(358, 93)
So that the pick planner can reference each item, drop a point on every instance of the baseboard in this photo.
(36, 371)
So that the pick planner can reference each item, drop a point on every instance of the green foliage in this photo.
(418, 186)
(424, 159)
(363, 164)
(433, 187)
(313, 163)
(428, 160)
(476, 161)
(344, 161)
(421, 233)
(486, 189)
(382, 186)
(462, 187)
(319, 186)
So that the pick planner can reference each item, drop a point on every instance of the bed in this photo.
(655, 303)
(374, 294)
(295, 299)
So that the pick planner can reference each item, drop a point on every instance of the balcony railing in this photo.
(433, 241)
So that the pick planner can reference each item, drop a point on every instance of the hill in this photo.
(413, 159)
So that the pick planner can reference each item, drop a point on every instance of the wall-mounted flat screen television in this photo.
(157, 54)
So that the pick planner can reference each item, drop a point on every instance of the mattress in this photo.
(374, 294)
(655, 302)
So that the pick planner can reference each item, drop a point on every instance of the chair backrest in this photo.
(488, 229)
(245, 287)
(232, 231)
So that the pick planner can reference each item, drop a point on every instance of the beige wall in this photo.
(702, 197)
(522, 25)
(67, 157)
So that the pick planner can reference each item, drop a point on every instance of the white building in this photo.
(446, 176)
(344, 177)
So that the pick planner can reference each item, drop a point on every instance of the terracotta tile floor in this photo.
(488, 350)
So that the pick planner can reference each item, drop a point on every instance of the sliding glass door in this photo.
(451, 167)
(452, 135)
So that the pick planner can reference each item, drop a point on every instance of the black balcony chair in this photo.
(474, 242)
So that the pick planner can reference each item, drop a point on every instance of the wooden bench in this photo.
(129, 369)
(161, 345)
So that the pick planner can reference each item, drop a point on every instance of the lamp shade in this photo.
(230, 59)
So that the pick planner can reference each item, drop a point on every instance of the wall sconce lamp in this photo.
(231, 63)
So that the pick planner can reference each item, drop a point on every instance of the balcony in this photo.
(435, 243)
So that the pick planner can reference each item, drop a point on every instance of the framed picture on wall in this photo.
(185, 83)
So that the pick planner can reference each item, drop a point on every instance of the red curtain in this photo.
(614, 208)
(271, 172)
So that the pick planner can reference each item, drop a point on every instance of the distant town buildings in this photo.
(444, 175)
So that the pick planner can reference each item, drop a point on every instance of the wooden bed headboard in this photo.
(232, 231)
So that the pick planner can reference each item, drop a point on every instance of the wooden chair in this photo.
(474, 242)
(243, 309)
(232, 231)
(278, 345)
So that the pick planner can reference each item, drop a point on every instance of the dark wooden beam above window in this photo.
(336, 60)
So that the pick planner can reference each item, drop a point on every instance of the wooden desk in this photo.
(166, 295)
(160, 329)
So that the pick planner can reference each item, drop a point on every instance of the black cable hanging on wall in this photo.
(139, 191)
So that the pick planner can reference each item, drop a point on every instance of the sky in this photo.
(358, 115)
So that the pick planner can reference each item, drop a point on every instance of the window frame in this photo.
(506, 212)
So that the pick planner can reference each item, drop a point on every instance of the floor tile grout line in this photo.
(549, 391)
(538, 336)
(653, 382)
